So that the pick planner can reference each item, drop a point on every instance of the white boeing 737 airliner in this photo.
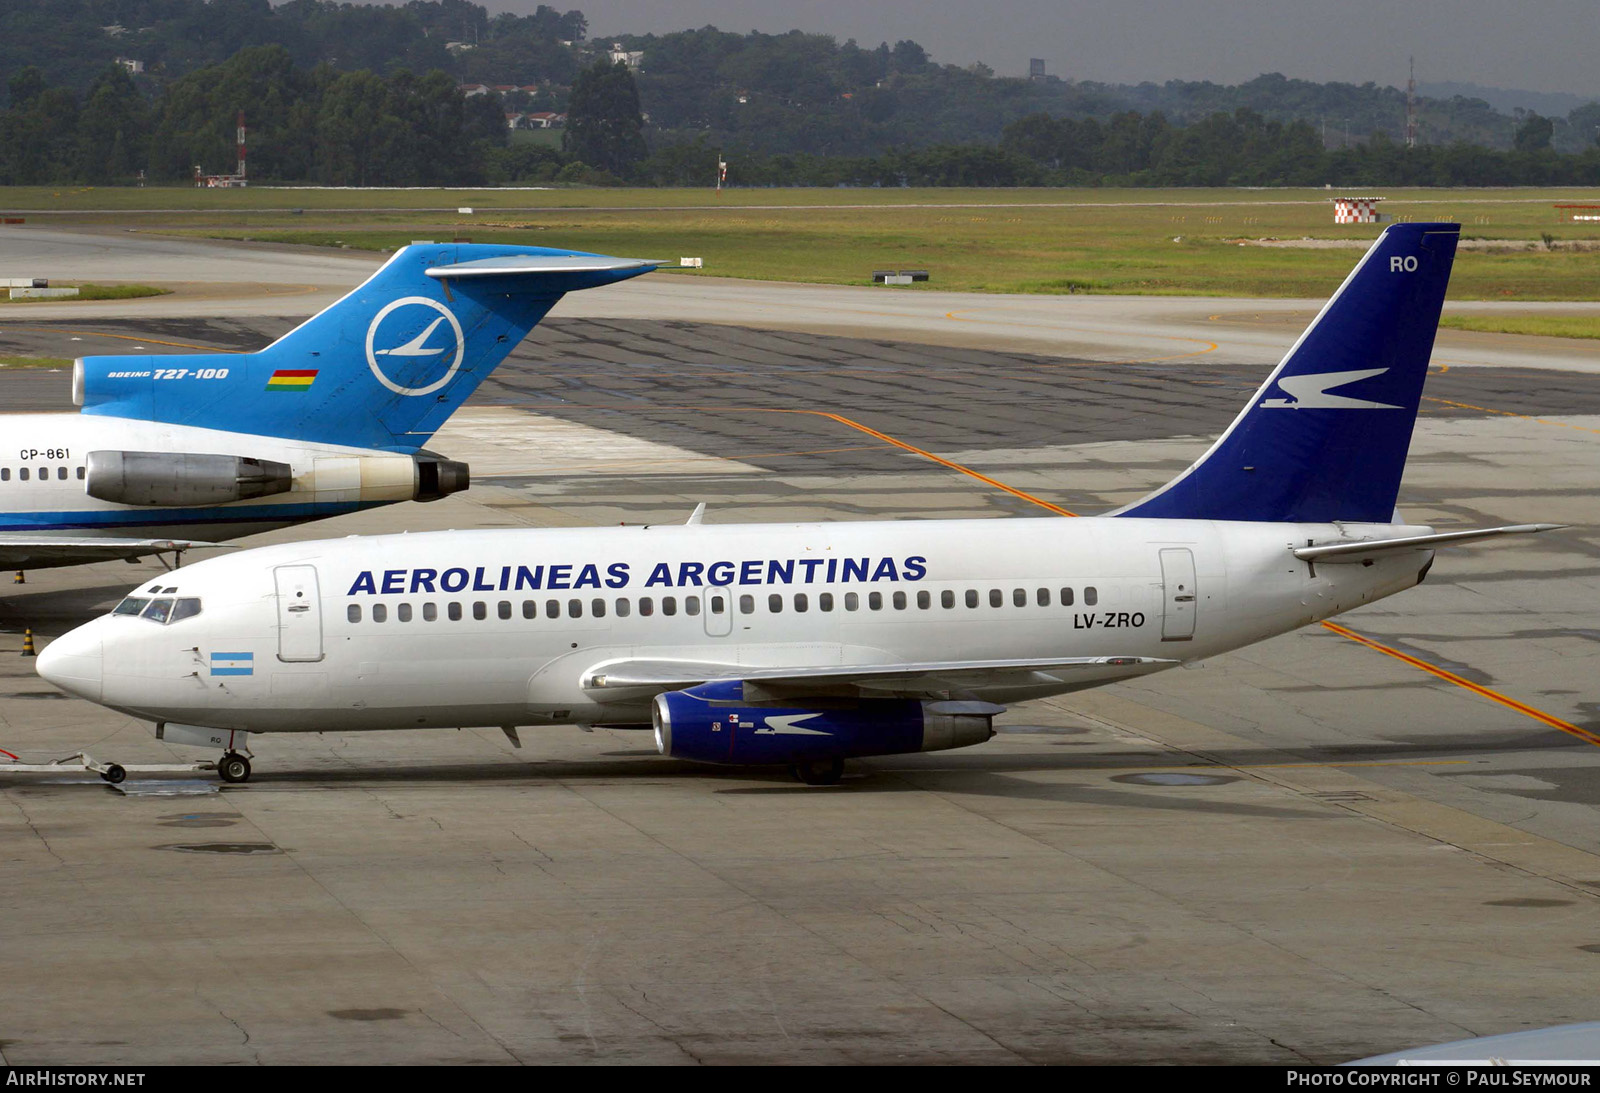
(806, 644)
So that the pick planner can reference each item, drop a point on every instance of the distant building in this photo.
(633, 58)
(1035, 68)
(458, 47)
(135, 68)
(546, 119)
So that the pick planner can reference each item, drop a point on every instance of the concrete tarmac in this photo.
(1306, 851)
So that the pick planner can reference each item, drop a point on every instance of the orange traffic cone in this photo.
(27, 643)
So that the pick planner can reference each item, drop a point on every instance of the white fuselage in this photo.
(42, 483)
(507, 628)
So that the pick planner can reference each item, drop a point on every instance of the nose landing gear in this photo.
(233, 768)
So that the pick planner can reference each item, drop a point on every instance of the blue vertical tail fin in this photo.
(384, 367)
(1325, 438)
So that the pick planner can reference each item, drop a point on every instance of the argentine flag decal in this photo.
(233, 664)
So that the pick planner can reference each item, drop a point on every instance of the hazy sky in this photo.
(1535, 45)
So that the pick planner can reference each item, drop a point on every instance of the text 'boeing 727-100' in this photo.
(170, 451)
(807, 644)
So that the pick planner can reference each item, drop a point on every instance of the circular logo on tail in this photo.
(414, 343)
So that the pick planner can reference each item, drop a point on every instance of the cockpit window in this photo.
(159, 610)
(130, 606)
(186, 607)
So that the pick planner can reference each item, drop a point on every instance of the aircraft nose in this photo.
(73, 662)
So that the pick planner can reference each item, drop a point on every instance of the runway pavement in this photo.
(1307, 851)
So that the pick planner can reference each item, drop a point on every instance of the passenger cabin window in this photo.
(825, 601)
(775, 603)
(480, 610)
(972, 597)
(1042, 597)
(597, 607)
(380, 613)
(552, 609)
(801, 603)
(61, 474)
(647, 606)
(899, 601)
(430, 612)
(669, 605)
(1066, 597)
(1019, 597)
(454, 611)
(5, 474)
(403, 612)
(852, 602)
(875, 600)
(505, 609)
(996, 597)
(575, 609)
(924, 600)
(80, 474)
(22, 474)
(716, 603)
(1090, 596)
(747, 605)
(353, 612)
(624, 608)
(947, 598)
(530, 609)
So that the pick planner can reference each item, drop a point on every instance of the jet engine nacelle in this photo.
(182, 478)
(192, 479)
(420, 477)
(713, 723)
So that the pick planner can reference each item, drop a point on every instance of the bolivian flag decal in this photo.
(292, 379)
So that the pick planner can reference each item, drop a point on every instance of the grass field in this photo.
(1549, 326)
(1186, 242)
(34, 362)
(94, 292)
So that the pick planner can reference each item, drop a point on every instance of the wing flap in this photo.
(1377, 548)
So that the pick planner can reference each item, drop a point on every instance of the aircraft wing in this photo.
(26, 551)
(883, 680)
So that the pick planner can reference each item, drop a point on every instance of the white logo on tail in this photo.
(417, 346)
(788, 725)
(1311, 392)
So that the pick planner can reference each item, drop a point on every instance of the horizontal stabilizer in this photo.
(669, 675)
(1377, 548)
(531, 265)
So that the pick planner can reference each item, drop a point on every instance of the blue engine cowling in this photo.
(714, 723)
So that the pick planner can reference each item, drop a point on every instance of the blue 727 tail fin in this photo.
(1325, 438)
(383, 367)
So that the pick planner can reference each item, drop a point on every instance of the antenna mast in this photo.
(1411, 105)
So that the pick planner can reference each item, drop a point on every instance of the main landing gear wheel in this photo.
(233, 767)
(819, 772)
(114, 774)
